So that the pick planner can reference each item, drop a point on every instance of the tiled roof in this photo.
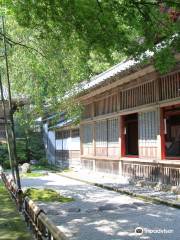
(121, 68)
(62, 123)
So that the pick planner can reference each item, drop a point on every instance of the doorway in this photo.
(131, 134)
(172, 132)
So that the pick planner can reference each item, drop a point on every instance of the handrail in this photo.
(42, 227)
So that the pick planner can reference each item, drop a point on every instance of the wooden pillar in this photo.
(93, 110)
(55, 163)
(94, 138)
(119, 124)
(123, 147)
(94, 145)
(81, 129)
(162, 136)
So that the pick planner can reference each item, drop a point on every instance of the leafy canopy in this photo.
(71, 40)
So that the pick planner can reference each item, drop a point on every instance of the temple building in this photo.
(130, 124)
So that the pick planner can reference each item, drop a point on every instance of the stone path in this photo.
(99, 214)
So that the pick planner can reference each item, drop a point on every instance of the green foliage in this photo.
(21, 150)
(167, 58)
(4, 157)
(36, 147)
(102, 26)
(21, 153)
(46, 195)
(31, 146)
(34, 150)
(57, 44)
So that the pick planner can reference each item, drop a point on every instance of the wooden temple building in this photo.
(130, 124)
(62, 142)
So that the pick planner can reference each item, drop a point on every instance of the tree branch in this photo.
(12, 42)
(138, 6)
(99, 5)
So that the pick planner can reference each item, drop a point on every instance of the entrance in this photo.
(131, 134)
(172, 131)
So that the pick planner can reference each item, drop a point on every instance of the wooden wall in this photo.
(101, 126)
(67, 150)
(150, 89)
(87, 139)
(101, 138)
(163, 172)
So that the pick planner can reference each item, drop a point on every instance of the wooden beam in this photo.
(94, 138)
(81, 138)
(100, 157)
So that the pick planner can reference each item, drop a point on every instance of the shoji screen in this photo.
(101, 138)
(87, 135)
(148, 130)
(113, 137)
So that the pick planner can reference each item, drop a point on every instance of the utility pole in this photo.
(10, 106)
(6, 129)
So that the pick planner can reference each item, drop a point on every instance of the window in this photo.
(87, 139)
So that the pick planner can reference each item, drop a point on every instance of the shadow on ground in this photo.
(101, 214)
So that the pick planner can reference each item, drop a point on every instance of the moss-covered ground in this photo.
(32, 174)
(46, 195)
(12, 225)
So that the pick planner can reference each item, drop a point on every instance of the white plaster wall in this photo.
(75, 143)
(51, 147)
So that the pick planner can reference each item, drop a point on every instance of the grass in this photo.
(49, 167)
(46, 195)
(12, 226)
(35, 170)
(43, 167)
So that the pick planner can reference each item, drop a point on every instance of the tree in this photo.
(59, 43)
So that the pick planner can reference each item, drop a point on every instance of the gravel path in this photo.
(122, 183)
(101, 214)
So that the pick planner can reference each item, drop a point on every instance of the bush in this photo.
(33, 149)
(36, 146)
(21, 149)
(4, 157)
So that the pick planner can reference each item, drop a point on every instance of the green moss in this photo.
(46, 195)
(67, 170)
(33, 174)
(12, 226)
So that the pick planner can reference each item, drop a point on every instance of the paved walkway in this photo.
(99, 214)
